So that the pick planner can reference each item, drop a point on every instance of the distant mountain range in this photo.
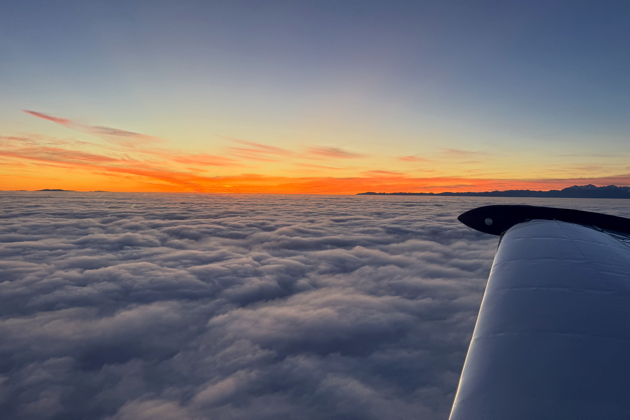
(576, 191)
(60, 190)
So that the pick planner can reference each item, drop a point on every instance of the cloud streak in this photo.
(413, 158)
(97, 130)
(334, 152)
(259, 152)
(463, 154)
(383, 173)
(61, 121)
(206, 160)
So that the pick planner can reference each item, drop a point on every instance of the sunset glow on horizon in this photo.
(312, 97)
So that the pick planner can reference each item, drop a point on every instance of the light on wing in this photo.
(552, 340)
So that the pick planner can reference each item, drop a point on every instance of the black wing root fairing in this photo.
(497, 219)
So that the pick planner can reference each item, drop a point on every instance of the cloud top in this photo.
(120, 306)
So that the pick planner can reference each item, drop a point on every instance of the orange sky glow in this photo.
(112, 159)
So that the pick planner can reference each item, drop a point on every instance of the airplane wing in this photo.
(552, 340)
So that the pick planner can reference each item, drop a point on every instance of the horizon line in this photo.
(313, 193)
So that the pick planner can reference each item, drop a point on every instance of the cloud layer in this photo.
(158, 306)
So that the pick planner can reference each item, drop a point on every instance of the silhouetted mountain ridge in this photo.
(576, 191)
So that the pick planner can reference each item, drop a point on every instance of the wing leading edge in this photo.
(552, 340)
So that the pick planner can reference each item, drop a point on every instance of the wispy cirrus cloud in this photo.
(245, 149)
(62, 121)
(383, 173)
(57, 154)
(109, 131)
(334, 152)
(157, 165)
(465, 154)
(258, 151)
(52, 151)
(97, 130)
(306, 165)
(413, 158)
(272, 150)
(128, 140)
(448, 153)
(265, 153)
(206, 160)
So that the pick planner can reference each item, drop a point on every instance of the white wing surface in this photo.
(552, 339)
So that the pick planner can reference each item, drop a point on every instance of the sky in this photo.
(322, 97)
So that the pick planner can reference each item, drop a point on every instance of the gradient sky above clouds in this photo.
(313, 96)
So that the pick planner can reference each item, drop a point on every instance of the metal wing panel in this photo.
(552, 340)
